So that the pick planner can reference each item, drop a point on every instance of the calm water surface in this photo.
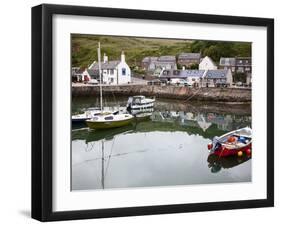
(170, 148)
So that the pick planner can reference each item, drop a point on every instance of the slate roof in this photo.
(167, 59)
(107, 65)
(227, 61)
(246, 61)
(149, 59)
(183, 56)
(76, 71)
(146, 60)
(216, 74)
(182, 73)
(92, 72)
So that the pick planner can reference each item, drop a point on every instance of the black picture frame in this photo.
(42, 111)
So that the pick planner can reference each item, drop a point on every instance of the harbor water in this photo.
(168, 148)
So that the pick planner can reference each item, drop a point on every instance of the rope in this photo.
(193, 94)
(109, 157)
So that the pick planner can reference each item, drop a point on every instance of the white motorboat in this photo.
(140, 103)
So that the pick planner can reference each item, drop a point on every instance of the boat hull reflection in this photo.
(216, 163)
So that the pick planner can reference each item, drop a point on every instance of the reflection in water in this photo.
(216, 163)
(167, 148)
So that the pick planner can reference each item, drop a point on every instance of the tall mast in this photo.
(102, 166)
(101, 107)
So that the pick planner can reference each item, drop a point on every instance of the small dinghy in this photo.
(235, 142)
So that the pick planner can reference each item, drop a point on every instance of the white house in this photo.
(207, 64)
(114, 72)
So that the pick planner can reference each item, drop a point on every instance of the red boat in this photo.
(236, 142)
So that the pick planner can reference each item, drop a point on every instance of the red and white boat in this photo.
(235, 142)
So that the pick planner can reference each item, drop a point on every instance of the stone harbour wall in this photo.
(170, 92)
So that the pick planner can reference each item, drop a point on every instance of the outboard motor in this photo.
(129, 103)
(214, 145)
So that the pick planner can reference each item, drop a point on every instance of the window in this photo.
(111, 71)
(123, 71)
(240, 69)
(109, 118)
(176, 72)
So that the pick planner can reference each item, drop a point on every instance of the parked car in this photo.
(179, 82)
(155, 82)
(222, 84)
(93, 82)
(239, 84)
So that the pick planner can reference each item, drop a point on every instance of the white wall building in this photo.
(115, 72)
(207, 64)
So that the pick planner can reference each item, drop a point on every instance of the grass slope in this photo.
(84, 48)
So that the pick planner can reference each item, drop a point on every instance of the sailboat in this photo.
(107, 119)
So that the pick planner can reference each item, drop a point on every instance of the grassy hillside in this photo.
(84, 48)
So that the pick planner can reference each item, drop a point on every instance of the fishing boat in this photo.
(107, 119)
(140, 103)
(236, 142)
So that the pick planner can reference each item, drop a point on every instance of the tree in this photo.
(239, 77)
(193, 66)
(217, 49)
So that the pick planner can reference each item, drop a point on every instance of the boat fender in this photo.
(248, 151)
(210, 145)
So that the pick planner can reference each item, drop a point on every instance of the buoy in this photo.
(210, 145)
(239, 153)
(248, 151)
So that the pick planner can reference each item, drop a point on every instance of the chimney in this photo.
(105, 58)
(122, 57)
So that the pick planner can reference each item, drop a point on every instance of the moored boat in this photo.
(92, 112)
(107, 120)
(80, 118)
(140, 103)
(235, 142)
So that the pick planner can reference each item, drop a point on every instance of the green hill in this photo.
(84, 48)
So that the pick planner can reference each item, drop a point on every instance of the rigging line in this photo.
(117, 155)
(102, 166)
(114, 99)
(109, 157)
(193, 94)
